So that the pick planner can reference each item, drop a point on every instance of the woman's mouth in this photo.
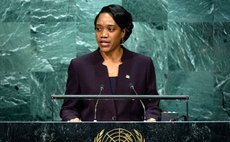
(104, 43)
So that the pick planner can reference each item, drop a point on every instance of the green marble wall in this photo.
(188, 41)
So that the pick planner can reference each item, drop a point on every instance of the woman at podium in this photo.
(111, 69)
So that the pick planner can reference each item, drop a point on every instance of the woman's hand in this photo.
(151, 120)
(74, 120)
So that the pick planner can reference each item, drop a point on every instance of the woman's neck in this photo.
(113, 56)
(112, 61)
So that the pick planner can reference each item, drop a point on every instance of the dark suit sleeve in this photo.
(152, 106)
(70, 108)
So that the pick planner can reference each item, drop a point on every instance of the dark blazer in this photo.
(87, 73)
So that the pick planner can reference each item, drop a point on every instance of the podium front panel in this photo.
(114, 131)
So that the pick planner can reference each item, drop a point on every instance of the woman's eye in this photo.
(110, 29)
(98, 29)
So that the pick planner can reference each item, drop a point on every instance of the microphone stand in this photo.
(95, 107)
(142, 104)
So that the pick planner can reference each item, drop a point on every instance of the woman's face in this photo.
(108, 33)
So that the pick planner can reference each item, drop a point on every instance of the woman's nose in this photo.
(104, 34)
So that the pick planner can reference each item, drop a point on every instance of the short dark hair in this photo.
(121, 16)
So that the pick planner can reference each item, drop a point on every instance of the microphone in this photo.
(142, 104)
(95, 107)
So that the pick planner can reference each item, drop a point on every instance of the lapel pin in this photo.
(127, 76)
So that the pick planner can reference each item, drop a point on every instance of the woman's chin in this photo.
(104, 49)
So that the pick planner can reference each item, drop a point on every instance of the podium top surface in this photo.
(86, 96)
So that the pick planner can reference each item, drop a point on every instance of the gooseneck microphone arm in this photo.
(95, 107)
(143, 106)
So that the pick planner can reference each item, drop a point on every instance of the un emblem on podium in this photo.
(119, 135)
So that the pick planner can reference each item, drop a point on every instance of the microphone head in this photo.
(102, 86)
(131, 85)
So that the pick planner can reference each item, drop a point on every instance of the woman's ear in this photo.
(123, 33)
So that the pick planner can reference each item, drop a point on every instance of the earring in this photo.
(122, 40)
